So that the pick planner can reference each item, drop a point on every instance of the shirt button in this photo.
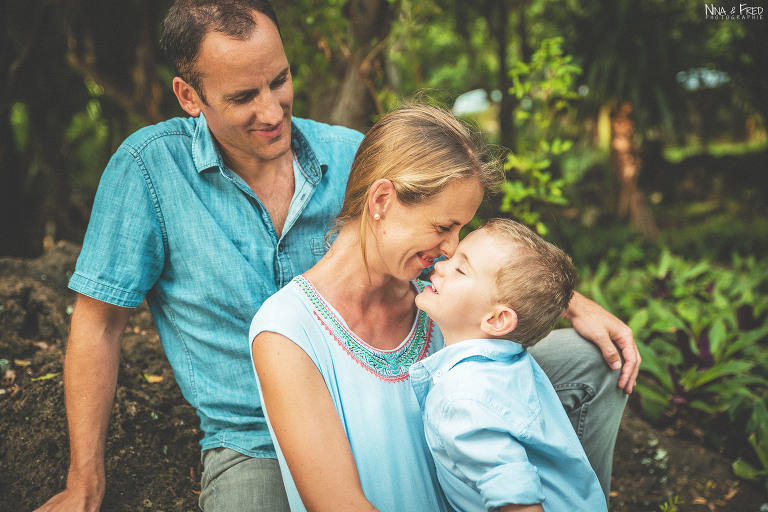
(280, 248)
(438, 374)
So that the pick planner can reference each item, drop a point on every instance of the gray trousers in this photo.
(233, 482)
(583, 381)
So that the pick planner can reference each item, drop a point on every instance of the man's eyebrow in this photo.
(243, 92)
(281, 75)
(239, 94)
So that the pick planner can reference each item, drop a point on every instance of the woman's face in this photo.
(408, 238)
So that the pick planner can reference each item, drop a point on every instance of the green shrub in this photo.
(703, 336)
(546, 89)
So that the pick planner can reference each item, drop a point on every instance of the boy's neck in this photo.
(453, 338)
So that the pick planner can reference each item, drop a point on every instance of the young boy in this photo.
(498, 433)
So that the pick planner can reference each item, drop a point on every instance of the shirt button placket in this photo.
(282, 265)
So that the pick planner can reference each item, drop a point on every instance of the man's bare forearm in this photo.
(90, 377)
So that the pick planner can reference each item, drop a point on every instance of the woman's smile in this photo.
(425, 259)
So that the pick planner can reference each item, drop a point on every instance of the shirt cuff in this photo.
(104, 293)
(515, 483)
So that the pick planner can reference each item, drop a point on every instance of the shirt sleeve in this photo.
(484, 452)
(123, 252)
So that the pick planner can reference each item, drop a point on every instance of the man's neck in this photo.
(273, 183)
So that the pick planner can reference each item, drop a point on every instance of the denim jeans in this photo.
(233, 482)
(587, 387)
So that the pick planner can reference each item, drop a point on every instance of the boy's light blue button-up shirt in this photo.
(498, 432)
(172, 223)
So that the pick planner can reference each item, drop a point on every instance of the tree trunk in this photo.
(355, 100)
(496, 15)
(625, 166)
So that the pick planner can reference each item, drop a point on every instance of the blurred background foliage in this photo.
(633, 135)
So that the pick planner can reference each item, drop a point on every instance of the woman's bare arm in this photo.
(307, 426)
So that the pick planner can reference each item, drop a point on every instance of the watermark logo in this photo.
(742, 12)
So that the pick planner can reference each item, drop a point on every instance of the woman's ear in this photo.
(188, 98)
(500, 321)
(380, 198)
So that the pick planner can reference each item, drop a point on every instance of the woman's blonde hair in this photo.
(419, 148)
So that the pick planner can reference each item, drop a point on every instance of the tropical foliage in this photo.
(703, 335)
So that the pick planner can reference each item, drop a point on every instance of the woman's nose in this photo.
(448, 246)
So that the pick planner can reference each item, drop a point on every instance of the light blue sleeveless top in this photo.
(372, 393)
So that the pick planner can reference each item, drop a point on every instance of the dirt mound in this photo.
(152, 446)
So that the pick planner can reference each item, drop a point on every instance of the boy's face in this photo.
(463, 288)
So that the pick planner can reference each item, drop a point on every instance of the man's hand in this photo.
(77, 497)
(610, 334)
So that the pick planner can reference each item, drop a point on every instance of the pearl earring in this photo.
(376, 216)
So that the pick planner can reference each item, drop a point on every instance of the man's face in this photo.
(249, 93)
(463, 287)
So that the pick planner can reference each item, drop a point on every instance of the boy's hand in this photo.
(610, 334)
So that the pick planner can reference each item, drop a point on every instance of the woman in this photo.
(333, 348)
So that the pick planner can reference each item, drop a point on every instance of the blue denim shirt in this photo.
(172, 224)
(498, 432)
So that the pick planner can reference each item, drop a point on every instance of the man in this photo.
(206, 217)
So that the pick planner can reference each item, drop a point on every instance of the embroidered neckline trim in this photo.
(388, 365)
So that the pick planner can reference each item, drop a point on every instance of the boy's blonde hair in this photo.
(536, 281)
(419, 148)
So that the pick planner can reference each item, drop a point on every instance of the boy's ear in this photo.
(188, 98)
(500, 321)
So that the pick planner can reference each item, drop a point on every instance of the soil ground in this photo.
(152, 448)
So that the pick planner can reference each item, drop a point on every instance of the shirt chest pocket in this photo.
(318, 247)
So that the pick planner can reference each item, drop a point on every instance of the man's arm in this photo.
(90, 377)
(610, 334)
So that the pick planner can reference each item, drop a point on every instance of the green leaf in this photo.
(743, 469)
(638, 320)
(717, 336)
(761, 448)
(712, 409)
(688, 379)
(732, 367)
(664, 263)
(695, 271)
(653, 403)
(745, 340)
(655, 366)
(663, 319)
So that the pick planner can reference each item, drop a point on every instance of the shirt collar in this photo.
(309, 165)
(206, 154)
(426, 372)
